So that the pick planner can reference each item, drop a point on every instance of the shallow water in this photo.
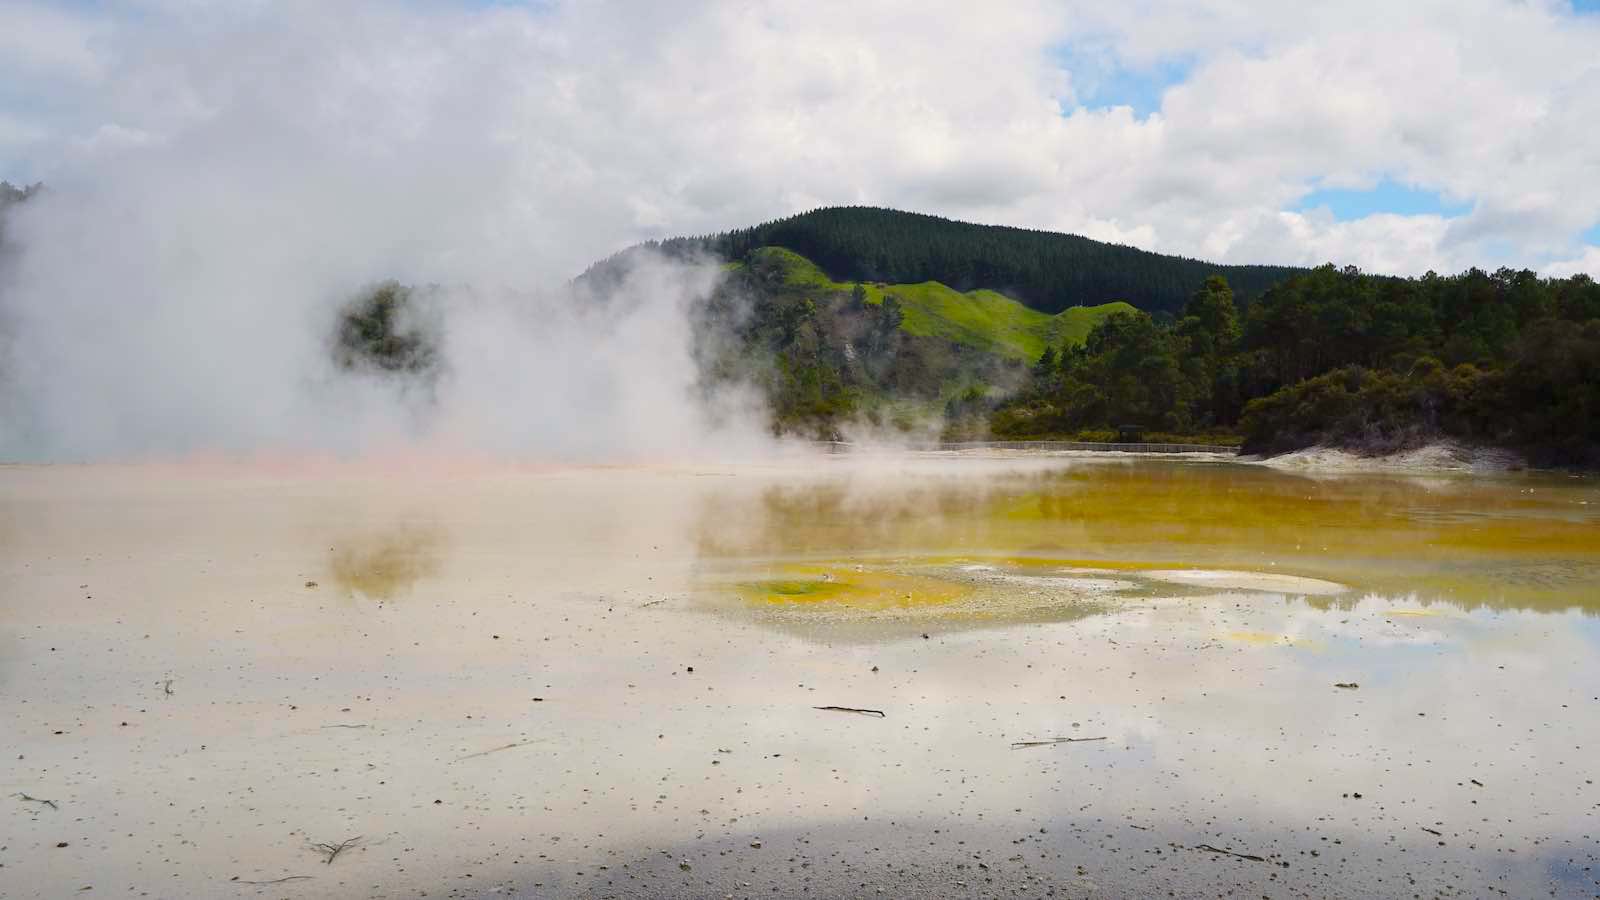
(486, 675)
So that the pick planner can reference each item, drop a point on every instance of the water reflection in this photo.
(1421, 732)
(1520, 541)
(1456, 767)
(561, 618)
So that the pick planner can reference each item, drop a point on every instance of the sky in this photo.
(529, 139)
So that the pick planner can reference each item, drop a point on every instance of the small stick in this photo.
(650, 604)
(1018, 745)
(851, 709)
(495, 750)
(1431, 831)
(333, 850)
(1210, 849)
(344, 726)
(166, 686)
(275, 880)
(26, 799)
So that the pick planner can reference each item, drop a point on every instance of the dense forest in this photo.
(1044, 270)
(1337, 357)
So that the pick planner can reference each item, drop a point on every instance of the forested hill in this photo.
(1045, 270)
(1328, 356)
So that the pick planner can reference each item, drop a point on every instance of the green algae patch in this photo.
(998, 582)
(794, 591)
(798, 588)
(852, 588)
(954, 588)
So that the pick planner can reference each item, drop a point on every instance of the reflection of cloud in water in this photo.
(1246, 581)
(1520, 542)
(384, 565)
(1467, 754)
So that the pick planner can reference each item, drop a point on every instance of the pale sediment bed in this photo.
(528, 680)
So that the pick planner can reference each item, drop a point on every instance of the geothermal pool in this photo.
(606, 681)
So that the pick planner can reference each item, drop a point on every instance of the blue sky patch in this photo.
(1592, 236)
(1099, 80)
(1386, 197)
(1586, 6)
(1138, 88)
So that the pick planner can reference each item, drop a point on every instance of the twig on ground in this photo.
(166, 686)
(495, 750)
(1347, 685)
(1210, 849)
(1431, 831)
(651, 603)
(26, 799)
(332, 851)
(851, 709)
(341, 725)
(1018, 745)
(238, 880)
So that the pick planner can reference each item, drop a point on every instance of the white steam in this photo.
(175, 293)
(167, 332)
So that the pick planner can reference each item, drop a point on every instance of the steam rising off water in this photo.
(174, 293)
(170, 346)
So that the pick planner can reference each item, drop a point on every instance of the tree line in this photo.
(1044, 270)
(1337, 356)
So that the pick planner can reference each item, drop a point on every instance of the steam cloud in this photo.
(165, 336)
(175, 294)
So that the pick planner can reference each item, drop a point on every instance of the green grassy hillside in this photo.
(983, 319)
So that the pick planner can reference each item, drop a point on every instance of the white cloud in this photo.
(19, 133)
(1386, 243)
(1586, 263)
(45, 41)
(543, 137)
